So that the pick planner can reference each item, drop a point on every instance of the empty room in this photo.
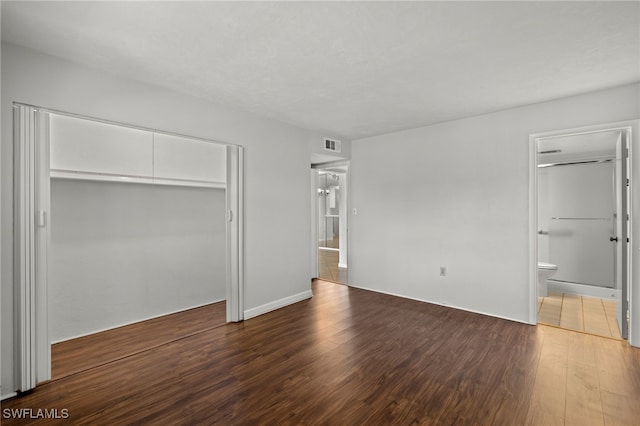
(333, 212)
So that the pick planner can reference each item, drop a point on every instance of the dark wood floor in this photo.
(83, 353)
(353, 357)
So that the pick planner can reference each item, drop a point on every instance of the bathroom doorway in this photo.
(330, 196)
(582, 231)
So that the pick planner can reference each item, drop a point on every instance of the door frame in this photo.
(32, 237)
(314, 179)
(631, 129)
(315, 218)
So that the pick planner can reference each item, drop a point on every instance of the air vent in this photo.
(331, 145)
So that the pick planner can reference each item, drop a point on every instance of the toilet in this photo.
(545, 270)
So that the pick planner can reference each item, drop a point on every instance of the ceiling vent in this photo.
(332, 145)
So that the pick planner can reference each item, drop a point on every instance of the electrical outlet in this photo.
(443, 271)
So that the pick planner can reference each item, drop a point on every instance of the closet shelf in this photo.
(106, 177)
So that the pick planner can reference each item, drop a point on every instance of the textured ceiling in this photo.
(347, 69)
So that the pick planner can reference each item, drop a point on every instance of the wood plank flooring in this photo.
(353, 357)
(75, 355)
(328, 267)
(587, 314)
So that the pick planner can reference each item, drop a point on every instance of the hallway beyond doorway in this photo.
(328, 267)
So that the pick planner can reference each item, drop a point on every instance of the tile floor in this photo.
(587, 314)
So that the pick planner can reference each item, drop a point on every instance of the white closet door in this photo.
(188, 159)
(79, 145)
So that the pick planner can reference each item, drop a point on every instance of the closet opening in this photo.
(130, 238)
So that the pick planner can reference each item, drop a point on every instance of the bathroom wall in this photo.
(579, 216)
(125, 252)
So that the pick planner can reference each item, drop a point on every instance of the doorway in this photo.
(330, 196)
(582, 230)
(33, 237)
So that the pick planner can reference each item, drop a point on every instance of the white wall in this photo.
(277, 226)
(456, 195)
(125, 252)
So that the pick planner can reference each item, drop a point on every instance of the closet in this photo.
(137, 225)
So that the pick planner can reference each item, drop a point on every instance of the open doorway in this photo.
(331, 198)
(583, 231)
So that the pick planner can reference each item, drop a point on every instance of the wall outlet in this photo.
(443, 271)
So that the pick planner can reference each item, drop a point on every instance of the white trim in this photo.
(328, 248)
(583, 289)
(345, 209)
(234, 234)
(439, 304)
(277, 304)
(7, 396)
(71, 174)
(42, 245)
(313, 180)
(191, 183)
(25, 164)
(106, 177)
(334, 163)
(240, 261)
(138, 320)
(533, 224)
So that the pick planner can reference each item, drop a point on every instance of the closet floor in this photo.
(76, 355)
(587, 314)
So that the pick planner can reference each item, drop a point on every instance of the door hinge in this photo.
(229, 216)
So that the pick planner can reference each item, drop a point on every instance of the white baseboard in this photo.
(136, 321)
(277, 304)
(443, 304)
(583, 290)
(7, 396)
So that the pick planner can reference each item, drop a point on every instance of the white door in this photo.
(621, 239)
